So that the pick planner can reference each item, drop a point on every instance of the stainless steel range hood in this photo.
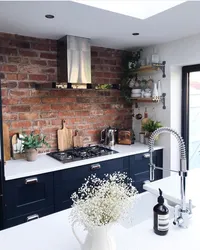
(74, 60)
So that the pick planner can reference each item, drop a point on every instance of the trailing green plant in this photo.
(33, 141)
(151, 126)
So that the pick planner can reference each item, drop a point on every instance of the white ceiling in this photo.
(105, 28)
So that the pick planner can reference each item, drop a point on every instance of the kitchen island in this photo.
(54, 232)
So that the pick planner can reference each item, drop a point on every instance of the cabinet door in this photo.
(28, 217)
(68, 181)
(26, 195)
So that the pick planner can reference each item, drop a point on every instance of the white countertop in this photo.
(54, 232)
(171, 187)
(15, 169)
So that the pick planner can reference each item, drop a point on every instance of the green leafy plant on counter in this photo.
(33, 141)
(151, 126)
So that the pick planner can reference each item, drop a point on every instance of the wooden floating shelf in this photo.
(140, 99)
(161, 99)
(150, 68)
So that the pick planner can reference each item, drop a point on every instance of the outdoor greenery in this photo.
(33, 141)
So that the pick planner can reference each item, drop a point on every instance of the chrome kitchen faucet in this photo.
(182, 213)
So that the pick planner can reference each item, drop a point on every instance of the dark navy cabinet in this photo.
(32, 197)
(69, 180)
(28, 196)
(139, 168)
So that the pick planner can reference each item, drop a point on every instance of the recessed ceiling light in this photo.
(134, 8)
(135, 34)
(49, 16)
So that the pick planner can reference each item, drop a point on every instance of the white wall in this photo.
(176, 54)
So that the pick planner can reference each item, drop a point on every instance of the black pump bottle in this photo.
(161, 216)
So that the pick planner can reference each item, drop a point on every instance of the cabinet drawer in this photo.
(29, 217)
(26, 195)
(68, 181)
(144, 176)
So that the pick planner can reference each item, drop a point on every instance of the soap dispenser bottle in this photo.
(161, 216)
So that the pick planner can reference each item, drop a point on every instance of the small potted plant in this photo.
(149, 127)
(30, 144)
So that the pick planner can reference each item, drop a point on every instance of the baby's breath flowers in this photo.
(101, 201)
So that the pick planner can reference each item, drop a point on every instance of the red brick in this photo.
(56, 122)
(49, 70)
(21, 124)
(20, 108)
(14, 59)
(22, 76)
(48, 114)
(28, 116)
(41, 93)
(49, 130)
(9, 85)
(10, 101)
(28, 53)
(38, 77)
(5, 108)
(8, 51)
(66, 99)
(4, 92)
(48, 55)
(41, 107)
(39, 62)
(37, 46)
(49, 100)
(52, 78)
(41, 123)
(11, 76)
(82, 113)
(19, 92)
(27, 85)
(60, 107)
(8, 117)
(8, 68)
(52, 63)
(30, 100)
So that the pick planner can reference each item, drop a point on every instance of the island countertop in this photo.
(54, 232)
(15, 169)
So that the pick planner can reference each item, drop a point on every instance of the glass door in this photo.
(191, 113)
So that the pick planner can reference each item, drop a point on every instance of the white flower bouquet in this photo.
(102, 201)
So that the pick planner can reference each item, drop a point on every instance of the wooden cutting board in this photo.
(78, 140)
(6, 142)
(64, 138)
(16, 144)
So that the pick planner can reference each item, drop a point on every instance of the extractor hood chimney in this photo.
(74, 60)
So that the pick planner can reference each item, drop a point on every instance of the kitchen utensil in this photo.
(77, 140)
(64, 138)
(6, 142)
(108, 136)
(17, 149)
(124, 137)
(138, 116)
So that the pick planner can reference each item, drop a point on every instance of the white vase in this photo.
(155, 90)
(159, 88)
(98, 238)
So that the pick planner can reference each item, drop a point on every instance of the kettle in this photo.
(108, 136)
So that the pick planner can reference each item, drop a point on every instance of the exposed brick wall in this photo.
(25, 61)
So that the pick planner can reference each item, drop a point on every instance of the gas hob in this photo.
(77, 154)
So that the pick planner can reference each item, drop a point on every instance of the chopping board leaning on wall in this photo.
(64, 138)
(6, 142)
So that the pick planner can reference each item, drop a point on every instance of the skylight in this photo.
(134, 8)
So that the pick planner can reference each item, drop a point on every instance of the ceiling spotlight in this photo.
(49, 16)
(135, 34)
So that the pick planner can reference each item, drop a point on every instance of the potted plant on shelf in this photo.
(98, 204)
(149, 127)
(30, 144)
